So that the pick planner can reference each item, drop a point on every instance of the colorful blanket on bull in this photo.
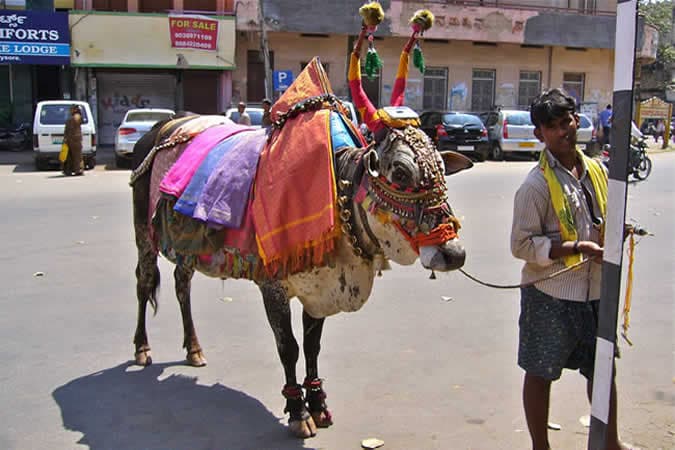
(218, 192)
(180, 173)
(289, 223)
(294, 203)
(165, 159)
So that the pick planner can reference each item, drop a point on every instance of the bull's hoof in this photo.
(143, 357)
(302, 428)
(322, 419)
(196, 359)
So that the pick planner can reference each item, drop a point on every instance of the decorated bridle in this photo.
(421, 214)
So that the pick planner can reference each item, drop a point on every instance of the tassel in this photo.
(418, 58)
(373, 63)
(372, 14)
(422, 20)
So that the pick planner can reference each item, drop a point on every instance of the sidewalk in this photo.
(654, 147)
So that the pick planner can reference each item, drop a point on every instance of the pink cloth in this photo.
(180, 174)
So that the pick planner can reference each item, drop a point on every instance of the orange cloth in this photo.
(294, 197)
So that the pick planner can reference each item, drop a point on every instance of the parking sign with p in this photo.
(282, 79)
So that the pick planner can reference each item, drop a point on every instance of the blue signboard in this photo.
(282, 79)
(34, 37)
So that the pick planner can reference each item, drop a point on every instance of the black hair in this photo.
(551, 105)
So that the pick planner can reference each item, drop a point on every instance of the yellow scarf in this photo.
(562, 207)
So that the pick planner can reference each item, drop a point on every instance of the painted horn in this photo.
(359, 97)
(398, 93)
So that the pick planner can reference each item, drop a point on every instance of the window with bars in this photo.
(573, 84)
(435, 88)
(483, 89)
(529, 87)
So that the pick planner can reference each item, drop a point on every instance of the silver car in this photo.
(586, 137)
(510, 131)
(135, 124)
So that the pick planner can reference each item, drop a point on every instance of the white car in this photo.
(586, 135)
(49, 124)
(135, 124)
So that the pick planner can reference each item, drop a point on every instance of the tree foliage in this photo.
(659, 14)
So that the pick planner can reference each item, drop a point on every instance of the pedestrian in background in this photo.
(558, 217)
(244, 118)
(72, 137)
(660, 132)
(267, 113)
(606, 123)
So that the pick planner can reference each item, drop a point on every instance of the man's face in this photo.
(266, 106)
(241, 108)
(560, 136)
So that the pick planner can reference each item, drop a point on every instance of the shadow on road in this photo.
(122, 407)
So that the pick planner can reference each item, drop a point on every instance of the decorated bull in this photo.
(305, 209)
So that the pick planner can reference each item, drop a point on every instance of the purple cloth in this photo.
(224, 199)
(180, 174)
(188, 199)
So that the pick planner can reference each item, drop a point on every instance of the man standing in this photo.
(244, 118)
(606, 123)
(558, 220)
(267, 114)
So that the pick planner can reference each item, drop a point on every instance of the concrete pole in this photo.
(622, 112)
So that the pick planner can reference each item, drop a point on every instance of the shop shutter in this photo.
(120, 92)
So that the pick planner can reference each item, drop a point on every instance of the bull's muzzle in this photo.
(443, 258)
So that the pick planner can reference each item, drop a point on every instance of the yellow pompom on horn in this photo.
(422, 20)
(372, 14)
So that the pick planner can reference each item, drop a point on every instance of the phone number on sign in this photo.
(203, 37)
(192, 44)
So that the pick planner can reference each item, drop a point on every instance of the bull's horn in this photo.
(372, 15)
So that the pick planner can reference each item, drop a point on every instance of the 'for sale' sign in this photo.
(196, 32)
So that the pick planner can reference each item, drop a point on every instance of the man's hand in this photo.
(591, 249)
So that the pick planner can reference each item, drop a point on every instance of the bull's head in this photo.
(404, 191)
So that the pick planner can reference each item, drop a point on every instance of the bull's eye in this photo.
(401, 175)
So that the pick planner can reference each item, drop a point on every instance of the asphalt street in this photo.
(426, 364)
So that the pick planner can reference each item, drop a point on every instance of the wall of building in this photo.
(459, 57)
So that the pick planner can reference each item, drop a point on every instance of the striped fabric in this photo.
(531, 239)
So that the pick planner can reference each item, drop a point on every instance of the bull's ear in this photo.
(455, 162)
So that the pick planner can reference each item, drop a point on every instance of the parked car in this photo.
(457, 131)
(134, 125)
(254, 112)
(586, 135)
(49, 124)
(510, 131)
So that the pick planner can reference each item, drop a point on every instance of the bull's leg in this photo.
(278, 312)
(316, 397)
(147, 285)
(183, 277)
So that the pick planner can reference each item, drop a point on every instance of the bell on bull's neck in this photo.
(380, 263)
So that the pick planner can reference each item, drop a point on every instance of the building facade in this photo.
(479, 54)
(127, 54)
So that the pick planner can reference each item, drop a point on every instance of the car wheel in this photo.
(121, 162)
(496, 152)
(41, 164)
(90, 163)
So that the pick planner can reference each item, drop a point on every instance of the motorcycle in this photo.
(16, 139)
(639, 164)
